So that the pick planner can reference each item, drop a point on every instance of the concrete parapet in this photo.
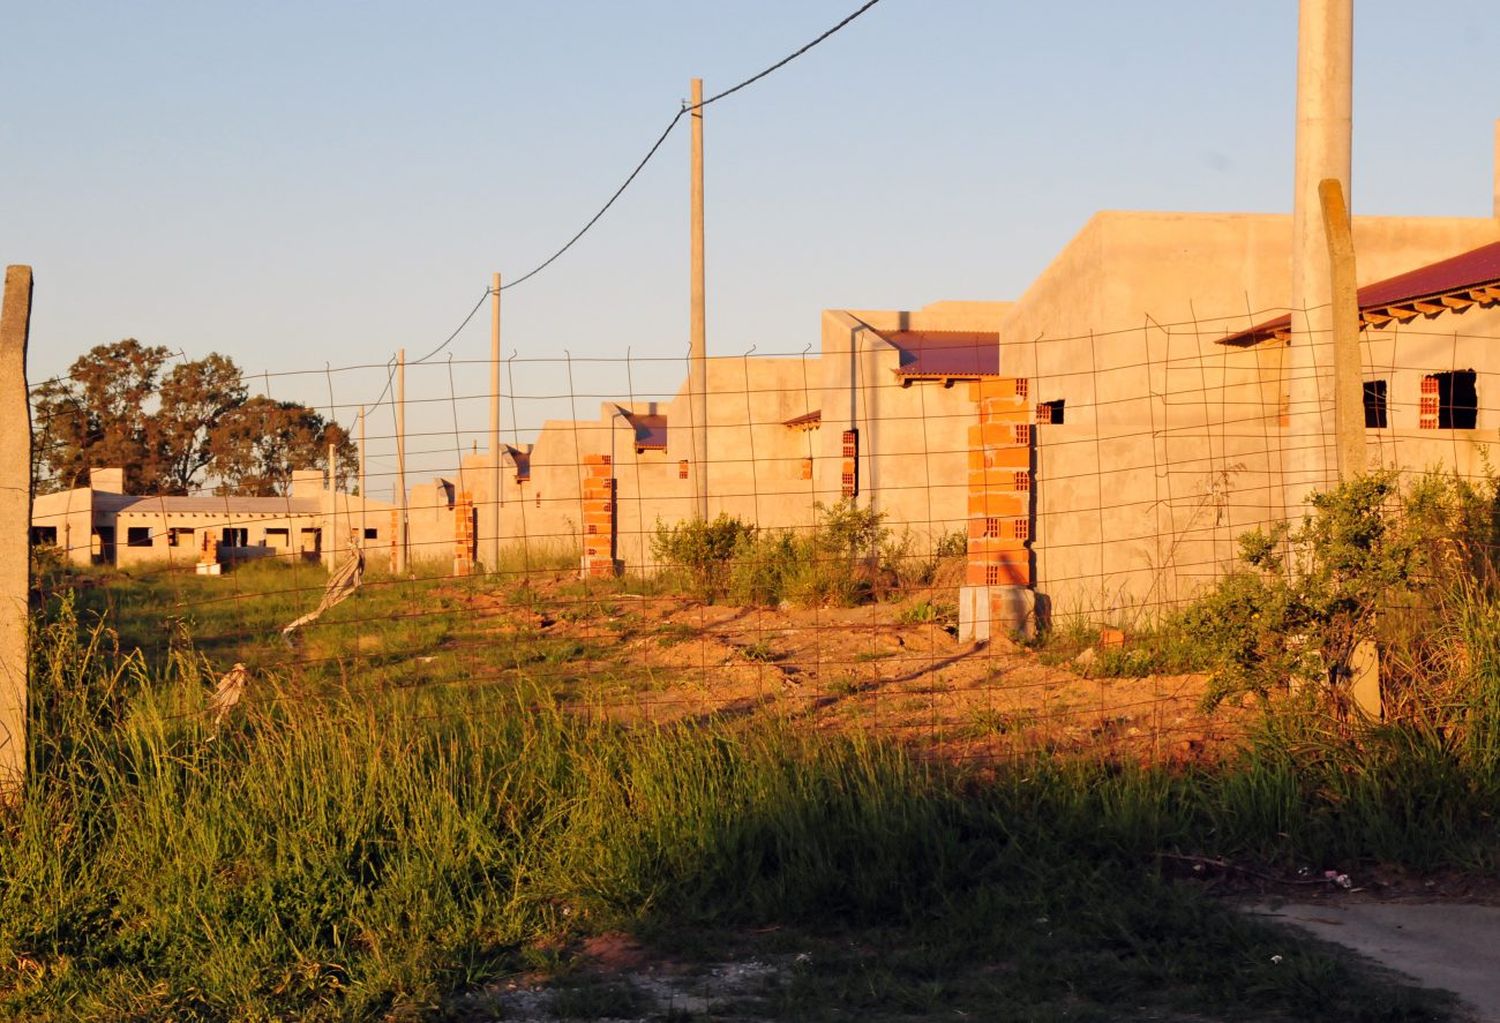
(984, 611)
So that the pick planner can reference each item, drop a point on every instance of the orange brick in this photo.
(999, 477)
(993, 435)
(1002, 387)
(1011, 458)
(991, 548)
(997, 412)
(1010, 504)
(997, 573)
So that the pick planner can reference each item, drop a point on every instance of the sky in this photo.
(302, 186)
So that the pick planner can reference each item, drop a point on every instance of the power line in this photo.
(456, 330)
(655, 146)
(686, 109)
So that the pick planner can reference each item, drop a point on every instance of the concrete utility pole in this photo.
(363, 493)
(698, 356)
(1496, 171)
(495, 423)
(15, 520)
(1348, 375)
(334, 542)
(1325, 68)
(401, 524)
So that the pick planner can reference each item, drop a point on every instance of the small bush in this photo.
(838, 562)
(702, 551)
(1411, 570)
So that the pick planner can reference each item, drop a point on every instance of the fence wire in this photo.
(842, 532)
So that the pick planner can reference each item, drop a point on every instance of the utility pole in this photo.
(401, 524)
(495, 473)
(331, 542)
(698, 355)
(363, 493)
(15, 518)
(1325, 78)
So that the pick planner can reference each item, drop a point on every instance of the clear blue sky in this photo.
(294, 183)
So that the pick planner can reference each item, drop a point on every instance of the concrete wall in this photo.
(912, 447)
(1171, 444)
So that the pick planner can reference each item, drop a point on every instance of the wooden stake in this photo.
(1348, 377)
(15, 518)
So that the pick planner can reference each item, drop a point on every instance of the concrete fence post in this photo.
(15, 528)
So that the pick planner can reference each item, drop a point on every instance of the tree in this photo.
(96, 417)
(197, 426)
(195, 397)
(256, 446)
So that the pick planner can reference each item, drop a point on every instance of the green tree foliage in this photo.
(96, 417)
(255, 446)
(174, 432)
(1366, 562)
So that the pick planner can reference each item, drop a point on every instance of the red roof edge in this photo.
(1476, 269)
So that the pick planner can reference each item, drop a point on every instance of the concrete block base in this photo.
(213, 568)
(985, 611)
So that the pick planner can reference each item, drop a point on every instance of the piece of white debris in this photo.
(228, 692)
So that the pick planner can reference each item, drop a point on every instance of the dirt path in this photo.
(1444, 945)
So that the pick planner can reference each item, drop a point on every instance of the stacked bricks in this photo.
(463, 534)
(598, 518)
(1000, 485)
(1431, 398)
(849, 470)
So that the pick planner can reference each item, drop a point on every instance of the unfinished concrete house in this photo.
(1165, 384)
(101, 524)
(879, 415)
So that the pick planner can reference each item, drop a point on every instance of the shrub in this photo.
(761, 565)
(1367, 562)
(702, 550)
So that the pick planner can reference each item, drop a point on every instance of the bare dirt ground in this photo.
(882, 668)
(873, 667)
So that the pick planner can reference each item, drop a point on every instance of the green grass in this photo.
(370, 853)
(1147, 650)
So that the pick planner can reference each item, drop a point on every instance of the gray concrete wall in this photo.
(1172, 444)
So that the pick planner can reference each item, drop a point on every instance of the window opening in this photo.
(1051, 412)
(1450, 401)
(1376, 417)
(138, 536)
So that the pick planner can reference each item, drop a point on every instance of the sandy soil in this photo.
(871, 667)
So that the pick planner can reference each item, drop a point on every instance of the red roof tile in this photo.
(1472, 269)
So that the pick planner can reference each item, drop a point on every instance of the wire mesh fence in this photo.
(857, 495)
